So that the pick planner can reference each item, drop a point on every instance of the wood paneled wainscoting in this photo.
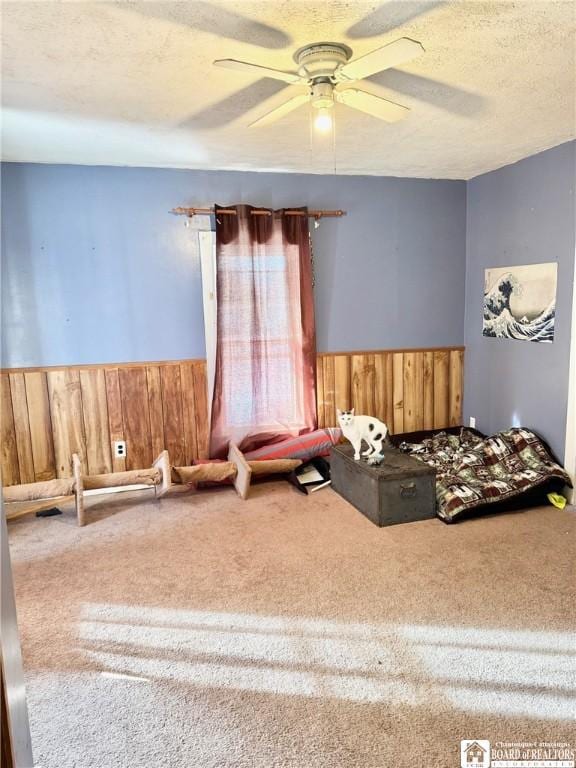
(47, 414)
(409, 389)
(50, 413)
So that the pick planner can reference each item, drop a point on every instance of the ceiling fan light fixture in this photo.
(323, 121)
(327, 71)
(322, 95)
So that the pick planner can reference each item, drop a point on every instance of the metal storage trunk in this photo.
(401, 490)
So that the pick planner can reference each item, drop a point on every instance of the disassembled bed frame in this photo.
(162, 476)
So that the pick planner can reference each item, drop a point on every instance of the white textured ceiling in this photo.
(132, 83)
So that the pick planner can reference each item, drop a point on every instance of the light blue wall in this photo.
(521, 214)
(95, 269)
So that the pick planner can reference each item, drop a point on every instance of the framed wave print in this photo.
(520, 302)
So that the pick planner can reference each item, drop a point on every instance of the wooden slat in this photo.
(115, 418)
(320, 391)
(189, 413)
(342, 394)
(78, 472)
(389, 385)
(419, 387)
(243, 471)
(362, 378)
(40, 426)
(398, 392)
(9, 452)
(22, 427)
(380, 392)
(201, 403)
(329, 392)
(95, 414)
(135, 417)
(155, 408)
(410, 392)
(441, 391)
(66, 416)
(455, 395)
(413, 391)
(172, 407)
(428, 395)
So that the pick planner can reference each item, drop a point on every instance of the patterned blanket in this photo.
(473, 471)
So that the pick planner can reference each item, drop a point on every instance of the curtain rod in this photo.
(257, 212)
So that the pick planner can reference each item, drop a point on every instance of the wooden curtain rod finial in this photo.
(190, 212)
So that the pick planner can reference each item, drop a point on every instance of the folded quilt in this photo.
(472, 471)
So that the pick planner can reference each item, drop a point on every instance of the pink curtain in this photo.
(264, 388)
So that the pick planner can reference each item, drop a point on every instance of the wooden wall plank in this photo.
(413, 391)
(172, 408)
(389, 420)
(398, 392)
(66, 416)
(362, 383)
(428, 394)
(115, 416)
(9, 451)
(156, 409)
(40, 423)
(95, 415)
(329, 391)
(189, 416)
(342, 393)
(201, 402)
(384, 388)
(22, 427)
(369, 393)
(380, 392)
(455, 395)
(357, 383)
(320, 392)
(441, 388)
(410, 392)
(135, 417)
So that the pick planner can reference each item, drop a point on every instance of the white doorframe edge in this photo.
(570, 449)
(14, 688)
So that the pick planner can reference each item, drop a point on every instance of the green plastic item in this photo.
(557, 500)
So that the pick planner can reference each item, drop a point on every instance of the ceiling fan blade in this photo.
(256, 69)
(372, 105)
(391, 55)
(283, 109)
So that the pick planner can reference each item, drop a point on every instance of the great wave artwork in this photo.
(520, 302)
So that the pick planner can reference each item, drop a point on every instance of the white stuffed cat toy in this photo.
(367, 428)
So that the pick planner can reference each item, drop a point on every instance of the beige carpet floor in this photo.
(288, 631)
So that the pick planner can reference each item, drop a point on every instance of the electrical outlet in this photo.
(473, 422)
(120, 449)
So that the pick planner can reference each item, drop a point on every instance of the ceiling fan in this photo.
(327, 71)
